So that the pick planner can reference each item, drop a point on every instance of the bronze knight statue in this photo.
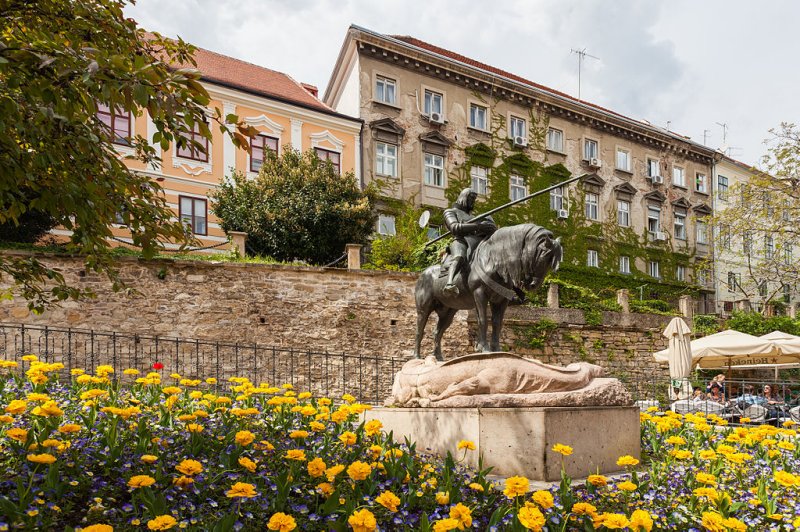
(466, 236)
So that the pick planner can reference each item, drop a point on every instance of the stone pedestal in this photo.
(518, 441)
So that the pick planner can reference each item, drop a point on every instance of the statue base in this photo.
(518, 441)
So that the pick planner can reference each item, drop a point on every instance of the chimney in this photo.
(312, 89)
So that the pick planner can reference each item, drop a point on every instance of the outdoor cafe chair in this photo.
(795, 413)
(644, 404)
(756, 413)
(684, 406)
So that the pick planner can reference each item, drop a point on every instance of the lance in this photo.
(511, 204)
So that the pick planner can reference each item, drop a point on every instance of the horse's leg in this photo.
(481, 300)
(498, 311)
(422, 321)
(445, 319)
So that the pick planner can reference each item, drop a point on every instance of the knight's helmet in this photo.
(463, 202)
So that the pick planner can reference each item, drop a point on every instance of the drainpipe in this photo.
(361, 155)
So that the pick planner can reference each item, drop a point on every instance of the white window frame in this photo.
(517, 183)
(478, 116)
(624, 264)
(384, 158)
(557, 199)
(386, 225)
(626, 166)
(552, 134)
(592, 203)
(651, 209)
(429, 97)
(517, 127)
(479, 179)
(586, 151)
(653, 167)
(623, 214)
(702, 232)
(678, 176)
(434, 168)
(592, 258)
(654, 269)
(701, 182)
(679, 226)
(680, 273)
(381, 94)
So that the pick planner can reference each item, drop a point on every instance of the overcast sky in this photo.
(692, 64)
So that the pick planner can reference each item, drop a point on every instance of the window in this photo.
(701, 183)
(117, 124)
(702, 233)
(385, 90)
(722, 188)
(192, 212)
(678, 176)
(702, 277)
(624, 264)
(433, 102)
(517, 187)
(518, 128)
(477, 117)
(555, 140)
(747, 242)
(480, 181)
(334, 157)
(197, 149)
(787, 255)
(680, 273)
(725, 237)
(386, 159)
(590, 149)
(434, 170)
(733, 281)
(258, 145)
(624, 213)
(434, 231)
(623, 160)
(557, 199)
(653, 219)
(787, 293)
(386, 224)
(680, 225)
(652, 168)
(655, 269)
(592, 202)
(762, 289)
(769, 247)
(591, 258)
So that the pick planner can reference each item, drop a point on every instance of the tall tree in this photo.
(757, 233)
(298, 208)
(59, 61)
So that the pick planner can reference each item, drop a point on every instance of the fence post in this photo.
(792, 310)
(238, 242)
(685, 307)
(353, 256)
(624, 300)
(552, 296)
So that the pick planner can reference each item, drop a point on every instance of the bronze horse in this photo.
(513, 258)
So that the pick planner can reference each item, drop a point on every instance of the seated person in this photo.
(698, 395)
(749, 398)
(719, 380)
(716, 394)
(774, 404)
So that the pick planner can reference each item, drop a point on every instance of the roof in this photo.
(453, 56)
(235, 73)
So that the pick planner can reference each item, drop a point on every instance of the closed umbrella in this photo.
(679, 354)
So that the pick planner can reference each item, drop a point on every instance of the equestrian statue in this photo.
(484, 267)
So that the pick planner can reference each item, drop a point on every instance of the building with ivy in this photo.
(437, 121)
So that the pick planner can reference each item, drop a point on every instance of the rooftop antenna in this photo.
(724, 132)
(706, 134)
(669, 123)
(581, 56)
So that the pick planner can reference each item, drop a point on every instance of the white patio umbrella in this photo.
(679, 354)
(789, 345)
(729, 348)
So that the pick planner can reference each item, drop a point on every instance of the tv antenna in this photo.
(581, 56)
(706, 134)
(724, 132)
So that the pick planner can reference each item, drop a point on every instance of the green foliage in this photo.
(29, 227)
(298, 208)
(535, 335)
(705, 324)
(60, 59)
(652, 306)
(405, 250)
(757, 324)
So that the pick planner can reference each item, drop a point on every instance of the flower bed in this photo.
(150, 452)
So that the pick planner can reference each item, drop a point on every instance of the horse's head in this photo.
(548, 256)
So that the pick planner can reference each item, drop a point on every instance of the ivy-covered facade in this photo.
(437, 122)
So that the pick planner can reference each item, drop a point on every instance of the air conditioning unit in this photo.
(520, 142)
(660, 235)
(657, 179)
(594, 162)
(436, 118)
(563, 214)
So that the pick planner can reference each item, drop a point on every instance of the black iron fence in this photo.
(368, 378)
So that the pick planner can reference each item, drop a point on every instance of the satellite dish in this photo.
(424, 218)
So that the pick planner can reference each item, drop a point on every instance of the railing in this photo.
(367, 377)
